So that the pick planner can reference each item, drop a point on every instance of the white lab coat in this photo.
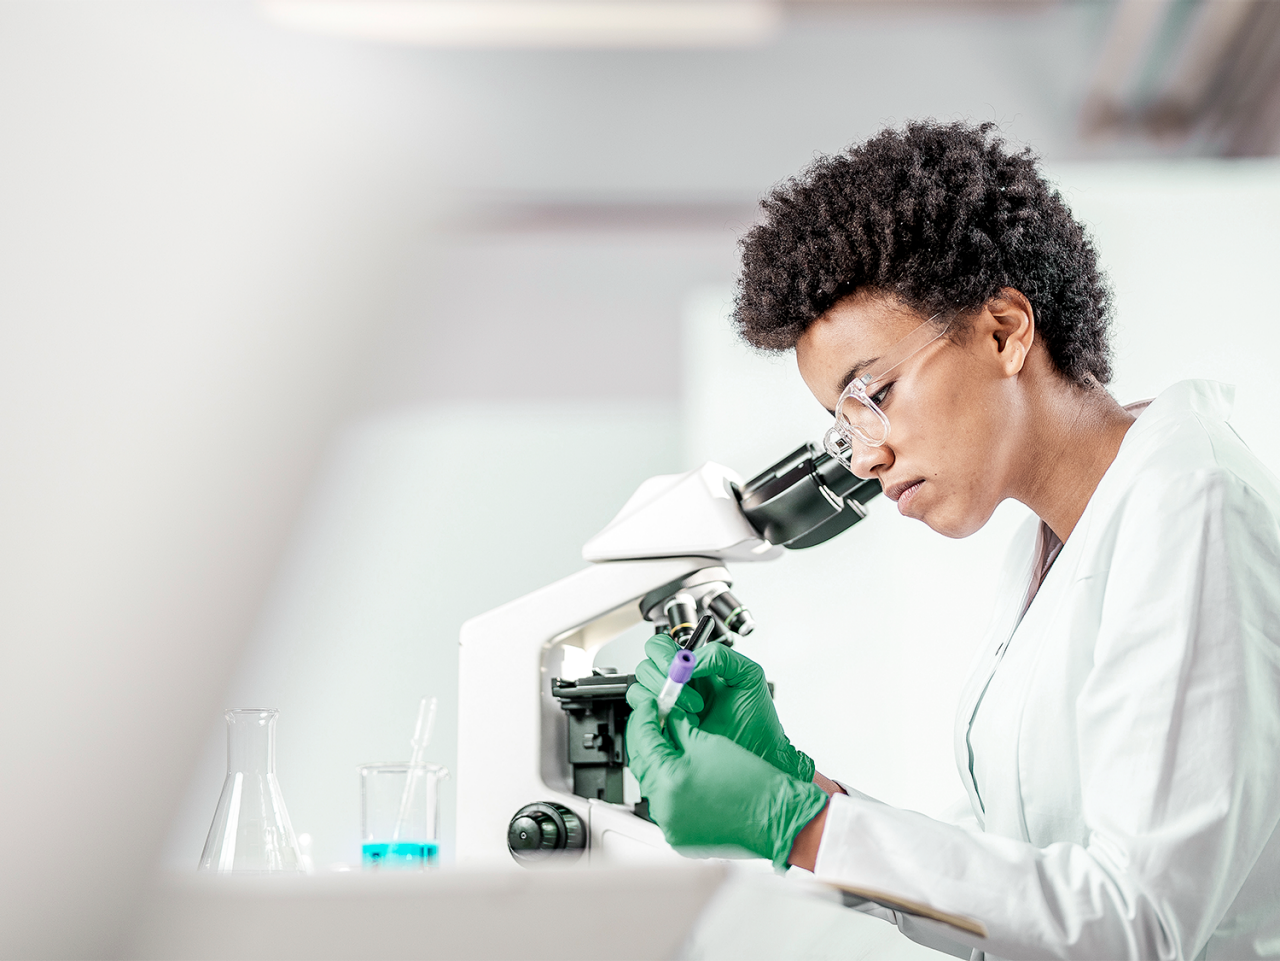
(1120, 741)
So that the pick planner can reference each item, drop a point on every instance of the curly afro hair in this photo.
(940, 216)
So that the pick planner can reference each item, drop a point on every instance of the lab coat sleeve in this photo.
(930, 935)
(1178, 734)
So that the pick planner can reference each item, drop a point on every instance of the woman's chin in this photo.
(952, 525)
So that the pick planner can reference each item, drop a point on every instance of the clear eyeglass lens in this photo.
(859, 420)
(838, 447)
(858, 416)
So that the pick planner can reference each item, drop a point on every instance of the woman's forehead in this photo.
(849, 338)
(854, 333)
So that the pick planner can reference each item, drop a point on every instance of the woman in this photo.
(1119, 737)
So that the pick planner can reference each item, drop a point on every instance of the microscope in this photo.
(542, 763)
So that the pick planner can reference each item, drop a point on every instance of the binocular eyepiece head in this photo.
(803, 500)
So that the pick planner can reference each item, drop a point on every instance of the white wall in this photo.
(727, 123)
(1192, 249)
(868, 637)
(192, 260)
(571, 315)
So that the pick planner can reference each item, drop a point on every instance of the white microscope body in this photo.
(674, 535)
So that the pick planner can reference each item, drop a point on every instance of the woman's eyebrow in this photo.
(853, 372)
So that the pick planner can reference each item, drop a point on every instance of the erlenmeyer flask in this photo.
(251, 829)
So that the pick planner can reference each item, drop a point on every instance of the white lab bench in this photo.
(694, 909)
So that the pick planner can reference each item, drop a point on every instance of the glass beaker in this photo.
(251, 829)
(398, 815)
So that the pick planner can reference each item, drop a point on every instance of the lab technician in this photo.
(1119, 737)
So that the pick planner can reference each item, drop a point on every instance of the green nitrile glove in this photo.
(706, 791)
(728, 695)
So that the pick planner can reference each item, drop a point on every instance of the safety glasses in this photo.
(859, 419)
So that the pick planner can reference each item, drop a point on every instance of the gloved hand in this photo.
(729, 696)
(705, 790)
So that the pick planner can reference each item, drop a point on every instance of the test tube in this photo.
(677, 677)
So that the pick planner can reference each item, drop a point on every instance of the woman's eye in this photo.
(879, 396)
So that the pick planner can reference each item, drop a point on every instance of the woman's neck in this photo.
(1077, 433)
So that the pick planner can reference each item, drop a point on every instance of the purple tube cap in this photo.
(682, 667)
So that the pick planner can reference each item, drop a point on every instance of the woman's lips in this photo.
(905, 497)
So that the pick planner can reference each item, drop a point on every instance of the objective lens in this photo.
(682, 616)
(732, 614)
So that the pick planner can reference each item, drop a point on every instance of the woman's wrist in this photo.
(828, 785)
(804, 849)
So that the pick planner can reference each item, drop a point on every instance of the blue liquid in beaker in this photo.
(400, 855)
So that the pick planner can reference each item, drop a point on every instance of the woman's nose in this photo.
(868, 461)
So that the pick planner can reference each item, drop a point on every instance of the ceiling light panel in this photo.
(582, 24)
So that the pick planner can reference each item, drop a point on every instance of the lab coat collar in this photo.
(1206, 397)
(1197, 398)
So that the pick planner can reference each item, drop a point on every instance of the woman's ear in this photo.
(1013, 328)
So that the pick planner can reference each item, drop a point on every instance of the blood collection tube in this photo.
(677, 677)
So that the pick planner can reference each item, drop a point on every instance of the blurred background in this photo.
(328, 325)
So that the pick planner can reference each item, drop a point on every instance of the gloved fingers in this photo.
(736, 670)
(639, 695)
(648, 674)
(714, 660)
(647, 745)
(644, 714)
(661, 649)
(642, 700)
(684, 729)
(680, 728)
(801, 765)
(705, 688)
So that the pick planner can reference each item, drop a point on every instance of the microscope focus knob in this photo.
(544, 830)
